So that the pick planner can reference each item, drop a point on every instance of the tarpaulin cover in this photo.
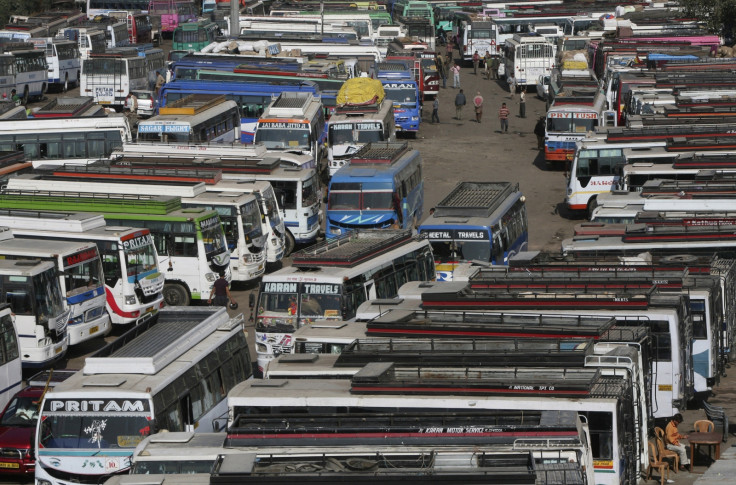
(360, 90)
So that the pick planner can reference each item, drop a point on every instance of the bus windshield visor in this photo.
(283, 138)
(347, 133)
(84, 273)
(277, 311)
(212, 236)
(251, 216)
(48, 296)
(95, 432)
(404, 96)
(447, 251)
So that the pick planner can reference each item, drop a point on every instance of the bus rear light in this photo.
(87, 90)
(162, 304)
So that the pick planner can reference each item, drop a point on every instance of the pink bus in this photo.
(172, 13)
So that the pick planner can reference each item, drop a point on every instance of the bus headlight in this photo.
(261, 348)
(130, 300)
(275, 241)
(211, 277)
(335, 230)
(415, 118)
(248, 258)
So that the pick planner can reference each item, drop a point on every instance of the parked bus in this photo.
(63, 60)
(10, 366)
(197, 118)
(90, 40)
(294, 122)
(382, 187)
(81, 280)
(475, 34)
(251, 98)
(477, 222)
(104, 7)
(351, 127)
(133, 282)
(140, 30)
(179, 384)
(109, 78)
(26, 71)
(239, 212)
(403, 91)
(58, 141)
(32, 289)
(171, 13)
(329, 281)
(193, 36)
(567, 123)
(526, 57)
(190, 242)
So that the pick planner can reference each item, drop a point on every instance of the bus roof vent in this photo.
(149, 347)
(192, 104)
(290, 104)
(379, 153)
(351, 249)
(475, 199)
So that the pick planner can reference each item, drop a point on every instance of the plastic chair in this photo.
(718, 416)
(704, 426)
(665, 454)
(654, 462)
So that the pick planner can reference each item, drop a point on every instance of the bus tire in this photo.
(592, 204)
(65, 88)
(289, 243)
(175, 295)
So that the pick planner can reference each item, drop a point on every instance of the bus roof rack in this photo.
(50, 200)
(477, 199)
(121, 172)
(70, 107)
(350, 249)
(290, 104)
(148, 348)
(192, 104)
(379, 153)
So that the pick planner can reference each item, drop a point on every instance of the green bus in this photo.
(190, 242)
(193, 36)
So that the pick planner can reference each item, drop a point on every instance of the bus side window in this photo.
(498, 249)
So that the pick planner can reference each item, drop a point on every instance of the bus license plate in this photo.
(9, 465)
(149, 309)
(57, 350)
(103, 102)
(94, 329)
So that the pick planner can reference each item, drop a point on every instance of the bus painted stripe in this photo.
(114, 305)
(11, 386)
(87, 295)
(536, 434)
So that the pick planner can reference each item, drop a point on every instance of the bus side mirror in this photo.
(152, 426)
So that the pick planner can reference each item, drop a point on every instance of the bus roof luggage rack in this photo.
(708, 161)
(192, 104)
(379, 153)
(356, 109)
(121, 172)
(707, 185)
(477, 199)
(50, 377)
(684, 130)
(149, 347)
(76, 106)
(290, 104)
(120, 52)
(653, 232)
(392, 66)
(50, 200)
(350, 249)
(446, 352)
(720, 142)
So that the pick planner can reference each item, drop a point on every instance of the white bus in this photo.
(32, 289)
(25, 71)
(62, 57)
(328, 281)
(10, 366)
(90, 40)
(566, 124)
(476, 34)
(81, 281)
(133, 283)
(132, 387)
(109, 78)
(527, 57)
(382, 388)
(349, 128)
(58, 141)
(197, 118)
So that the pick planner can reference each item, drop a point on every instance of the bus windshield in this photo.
(277, 310)
(93, 431)
(251, 221)
(445, 251)
(309, 191)
(357, 196)
(320, 305)
(405, 95)
(83, 276)
(141, 259)
(364, 132)
(48, 296)
(269, 200)
(566, 123)
(212, 236)
(283, 138)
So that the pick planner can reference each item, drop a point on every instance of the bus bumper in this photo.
(310, 234)
(95, 327)
(247, 271)
(41, 357)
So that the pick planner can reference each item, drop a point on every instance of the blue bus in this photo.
(381, 188)
(483, 222)
(252, 98)
(402, 89)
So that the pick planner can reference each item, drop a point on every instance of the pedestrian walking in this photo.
(478, 104)
(459, 103)
(436, 109)
(503, 116)
(522, 103)
(539, 129)
(476, 61)
(487, 60)
(221, 291)
(159, 82)
(494, 68)
(449, 49)
(512, 84)
(441, 69)
(455, 75)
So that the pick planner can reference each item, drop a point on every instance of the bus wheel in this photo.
(289, 243)
(175, 295)
(592, 204)
(66, 83)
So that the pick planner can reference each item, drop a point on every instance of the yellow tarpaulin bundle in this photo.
(360, 90)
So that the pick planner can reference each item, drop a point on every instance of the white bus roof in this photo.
(163, 343)
(24, 267)
(292, 105)
(32, 181)
(42, 248)
(20, 220)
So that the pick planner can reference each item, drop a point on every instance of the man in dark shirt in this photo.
(459, 103)
(221, 291)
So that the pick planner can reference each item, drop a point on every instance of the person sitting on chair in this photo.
(673, 437)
